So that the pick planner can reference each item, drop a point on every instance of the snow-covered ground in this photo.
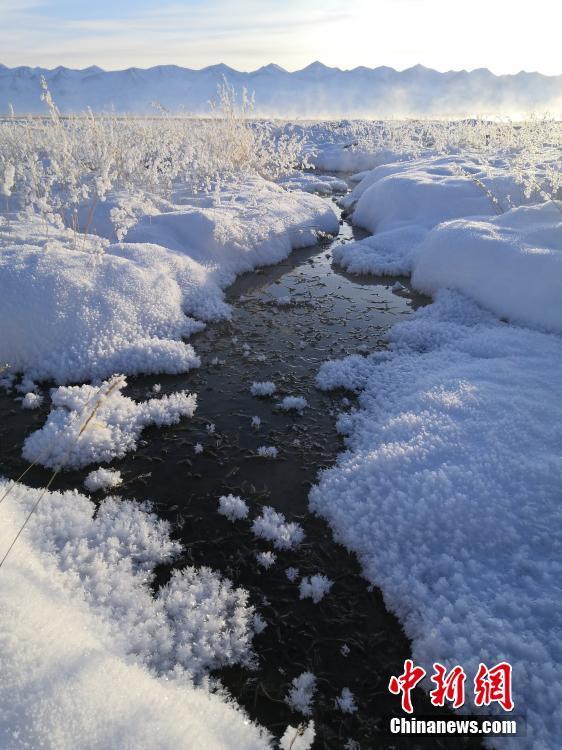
(449, 490)
(87, 308)
(90, 658)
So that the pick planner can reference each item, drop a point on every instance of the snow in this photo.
(94, 659)
(441, 227)
(266, 559)
(401, 202)
(129, 305)
(95, 424)
(293, 403)
(31, 401)
(315, 587)
(313, 92)
(298, 738)
(292, 574)
(233, 507)
(274, 527)
(314, 183)
(267, 451)
(103, 479)
(301, 694)
(263, 389)
(449, 492)
(346, 702)
(510, 264)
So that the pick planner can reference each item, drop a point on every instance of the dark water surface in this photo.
(331, 315)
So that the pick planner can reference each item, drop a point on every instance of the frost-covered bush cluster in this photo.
(530, 150)
(98, 423)
(58, 166)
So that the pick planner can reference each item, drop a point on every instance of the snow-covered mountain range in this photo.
(314, 91)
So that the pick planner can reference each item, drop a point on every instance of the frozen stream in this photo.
(331, 314)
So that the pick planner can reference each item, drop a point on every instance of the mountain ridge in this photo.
(313, 91)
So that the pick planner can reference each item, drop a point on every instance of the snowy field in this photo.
(118, 239)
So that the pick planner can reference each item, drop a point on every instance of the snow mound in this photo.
(95, 424)
(86, 308)
(94, 659)
(511, 264)
(449, 492)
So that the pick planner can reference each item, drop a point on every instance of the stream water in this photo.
(331, 315)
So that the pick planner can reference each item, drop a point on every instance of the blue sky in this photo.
(504, 35)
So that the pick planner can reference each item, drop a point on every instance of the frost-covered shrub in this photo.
(274, 527)
(301, 693)
(58, 166)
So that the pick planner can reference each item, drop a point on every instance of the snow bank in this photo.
(91, 659)
(95, 424)
(82, 308)
(441, 226)
(400, 202)
(323, 184)
(337, 157)
(511, 264)
(449, 492)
